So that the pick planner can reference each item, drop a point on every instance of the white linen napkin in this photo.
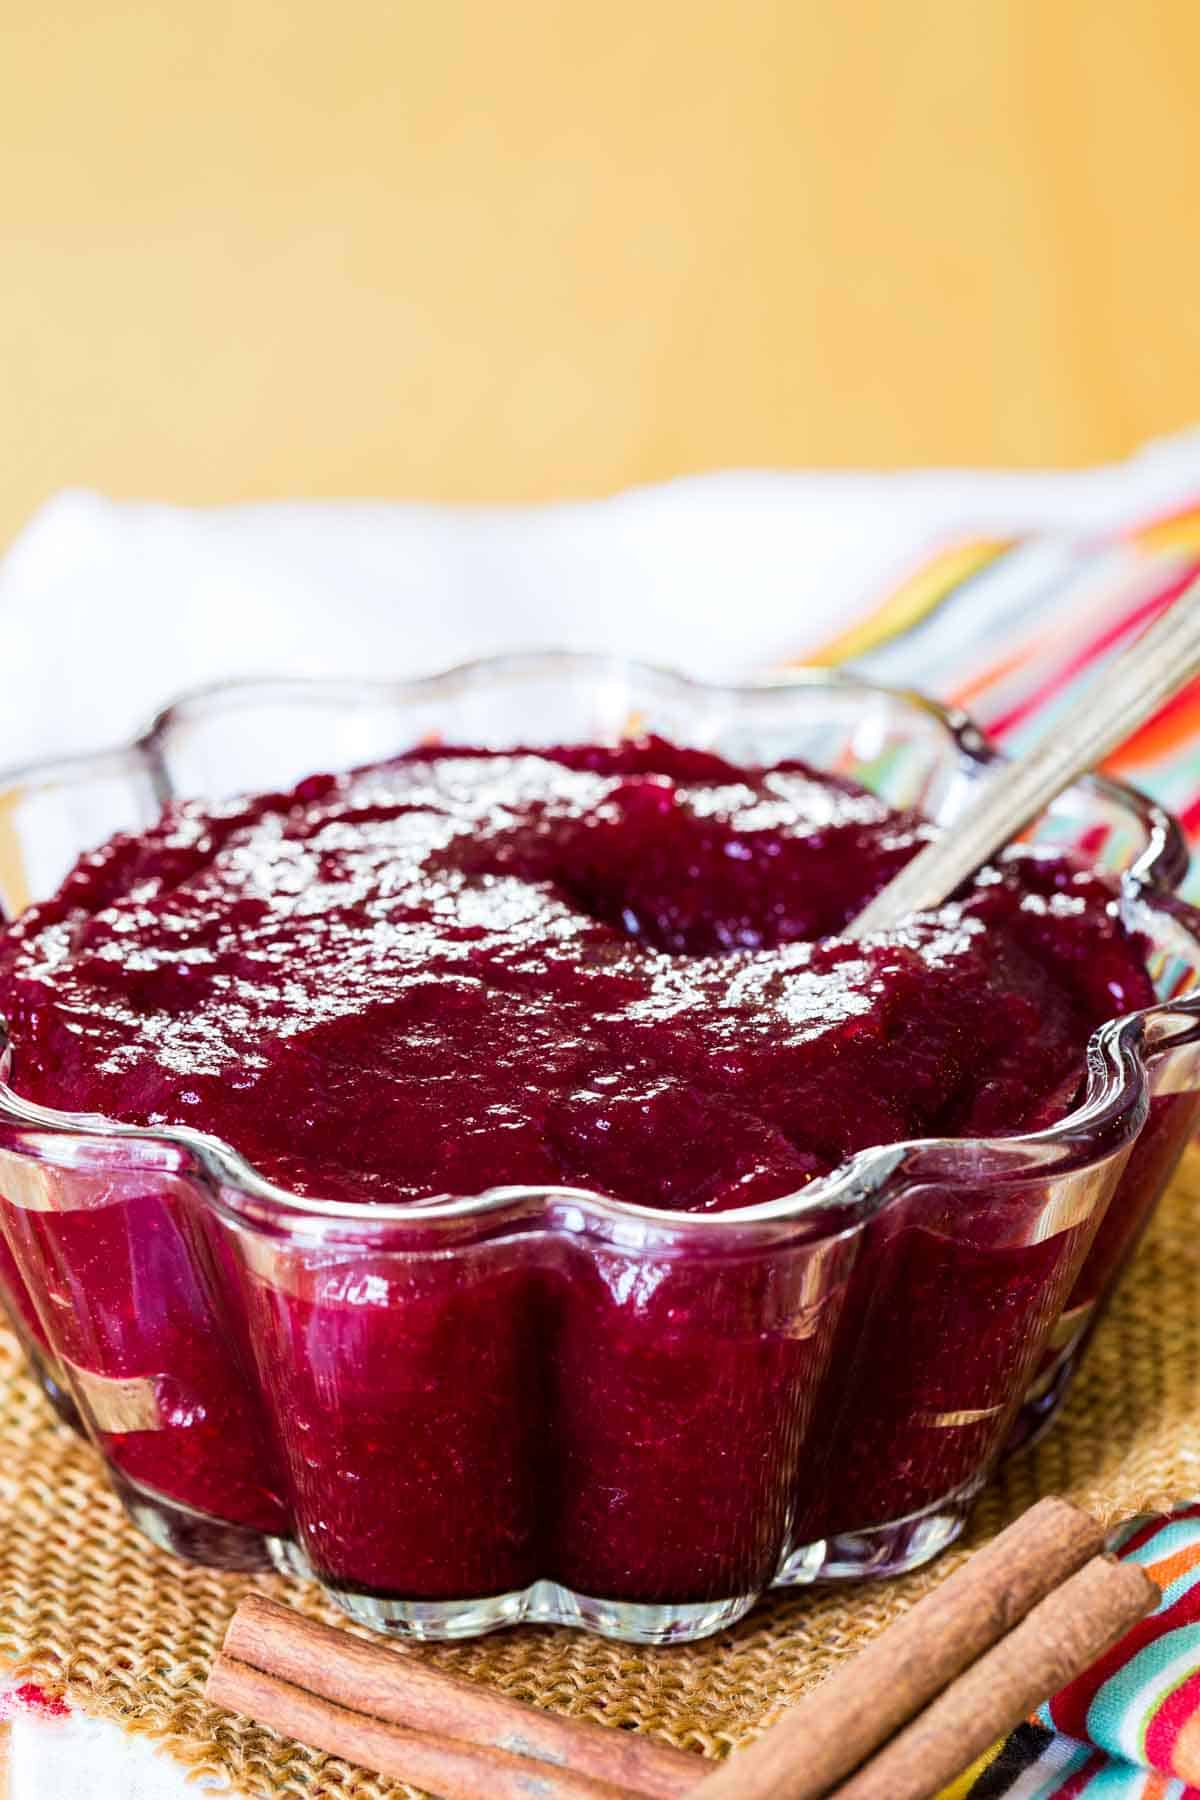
(109, 608)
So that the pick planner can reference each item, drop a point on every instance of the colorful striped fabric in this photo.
(1130, 1728)
(1010, 628)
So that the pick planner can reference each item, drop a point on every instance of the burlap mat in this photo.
(88, 1609)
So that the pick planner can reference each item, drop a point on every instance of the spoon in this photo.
(1131, 689)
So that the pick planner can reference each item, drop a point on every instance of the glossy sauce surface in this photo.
(611, 967)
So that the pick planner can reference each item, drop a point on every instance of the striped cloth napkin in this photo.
(1010, 628)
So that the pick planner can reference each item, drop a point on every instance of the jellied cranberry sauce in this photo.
(612, 968)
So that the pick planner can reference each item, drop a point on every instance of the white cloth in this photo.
(108, 609)
(77, 1758)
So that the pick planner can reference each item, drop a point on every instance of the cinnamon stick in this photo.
(455, 1771)
(1059, 1639)
(835, 1727)
(395, 1687)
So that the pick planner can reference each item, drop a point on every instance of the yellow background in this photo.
(510, 249)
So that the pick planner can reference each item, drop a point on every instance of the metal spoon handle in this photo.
(1129, 691)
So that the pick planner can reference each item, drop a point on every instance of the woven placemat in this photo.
(89, 1610)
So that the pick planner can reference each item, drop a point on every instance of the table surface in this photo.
(521, 251)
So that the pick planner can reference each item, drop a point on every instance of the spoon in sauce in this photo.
(1136, 683)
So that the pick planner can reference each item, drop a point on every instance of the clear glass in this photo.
(542, 1403)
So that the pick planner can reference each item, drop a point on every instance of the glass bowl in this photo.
(541, 1403)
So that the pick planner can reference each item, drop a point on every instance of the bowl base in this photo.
(891, 1549)
(544, 1603)
(197, 1536)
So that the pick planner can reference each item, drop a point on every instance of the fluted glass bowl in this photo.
(541, 1403)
